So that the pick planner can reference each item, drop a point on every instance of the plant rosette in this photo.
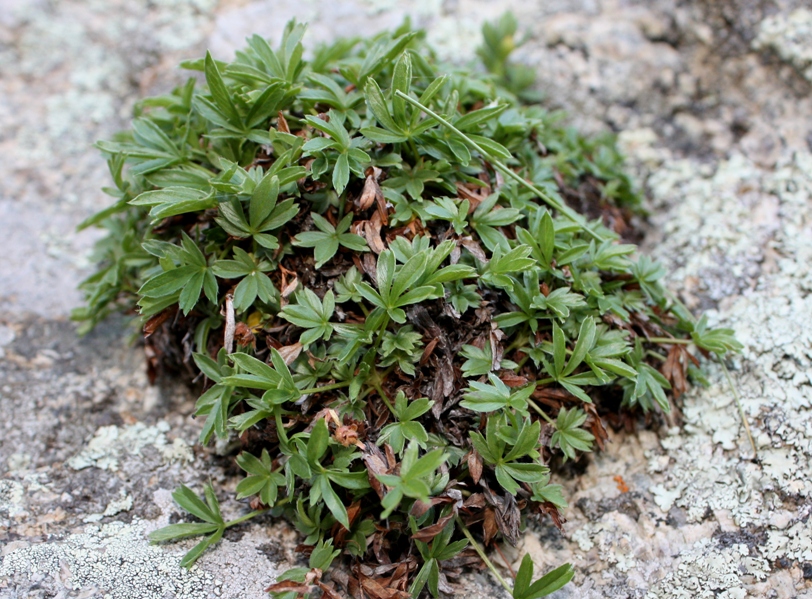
(378, 265)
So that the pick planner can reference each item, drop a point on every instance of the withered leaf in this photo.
(475, 466)
(347, 435)
(289, 353)
(428, 350)
(511, 379)
(596, 425)
(551, 510)
(475, 501)
(675, 369)
(289, 586)
(282, 123)
(472, 193)
(429, 532)
(243, 335)
(155, 321)
(372, 233)
(377, 591)
(376, 464)
(506, 513)
(328, 592)
(489, 526)
(289, 288)
(476, 250)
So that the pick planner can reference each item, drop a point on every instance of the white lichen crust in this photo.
(713, 100)
(790, 36)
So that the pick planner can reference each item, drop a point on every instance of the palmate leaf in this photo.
(326, 240)
(413, 479)
(405, 429)
(568, 435)
(254, 284)
(262, 480)
(438, 549)
(208, 511)
(523, 437)
(718, 341)
(394, 284)
(484, 397)
(264, 214)
(192, 277)
(479, 361)
(311, 314)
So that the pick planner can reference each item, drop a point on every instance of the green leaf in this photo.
(219, 91)
(317, 444)
(585, 342)
(175, 532)
(341, 173)
(479, 361)
(377, 104)
(312, 314)
(546, 585)
(263, 200)
(568, 434)
(333, 502)
(190, 502)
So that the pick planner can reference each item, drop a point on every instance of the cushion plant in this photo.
(376, 263)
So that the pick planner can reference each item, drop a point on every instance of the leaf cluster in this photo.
(422, 325)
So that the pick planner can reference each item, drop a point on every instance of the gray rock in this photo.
(713, 104)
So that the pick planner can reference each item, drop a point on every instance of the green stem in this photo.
(377, 384)
(246, 517)
(326, 387)
(413, 148)
(654, 354)
(669, 341)
(540, 412)
(381, 331)
(482, 555)
(546, 381)
(519, 341)
(500, 166)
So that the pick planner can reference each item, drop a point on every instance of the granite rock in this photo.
(711, 102)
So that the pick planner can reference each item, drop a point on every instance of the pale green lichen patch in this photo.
(114, 558)
(110, 443)
(12, 498)
(790, 36)
(705, 467)
(707, 570)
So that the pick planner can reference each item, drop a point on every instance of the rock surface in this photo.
(712, 100)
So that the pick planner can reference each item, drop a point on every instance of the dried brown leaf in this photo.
(289, 353)
(282, 123)
(244, 336)
(475, 466)
(376, 464)
(428, 350)
(155, 321)
(476, 250)
(489, 525)
(289, 586)
(347, 435)
(429, 532)
(372, 233)
(511, 379)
